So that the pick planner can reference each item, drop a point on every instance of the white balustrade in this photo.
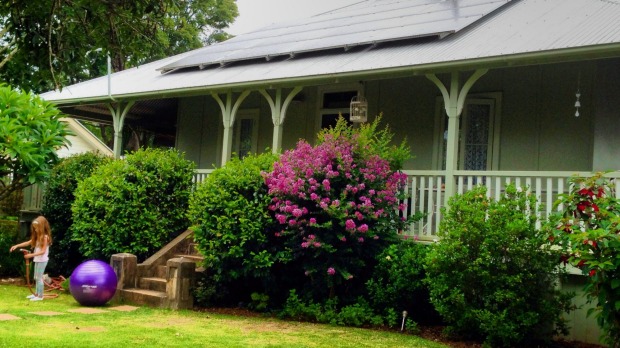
(426, 191)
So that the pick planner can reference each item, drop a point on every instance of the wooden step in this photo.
(153, 283)
(195, 258)
(161, 271)
(145, 297)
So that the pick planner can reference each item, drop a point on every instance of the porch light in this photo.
(359, 109)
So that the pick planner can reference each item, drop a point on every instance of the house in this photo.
(82, 141)
(485, 91)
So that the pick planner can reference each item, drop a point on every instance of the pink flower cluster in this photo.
(333, 197)
(314, 185)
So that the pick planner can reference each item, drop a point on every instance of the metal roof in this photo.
(519, 33)
(363, 23)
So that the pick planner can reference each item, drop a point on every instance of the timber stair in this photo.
(153, 282)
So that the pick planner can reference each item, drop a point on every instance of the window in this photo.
(478, 134)
(246, 133)
(334, 103)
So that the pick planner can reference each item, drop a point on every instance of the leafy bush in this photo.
(11, 264)
(337, 207)
(231, 221)
(492, 274)
(357, 314)
(56, 207)
(12, 204)
(588, 231)
(135, 205)
(397, 283)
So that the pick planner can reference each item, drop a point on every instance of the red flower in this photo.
(592, 272)
(581, 206)
(581, 263)
(586, 192)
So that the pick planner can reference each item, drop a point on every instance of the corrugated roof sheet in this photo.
(542, 28)
(366, 22)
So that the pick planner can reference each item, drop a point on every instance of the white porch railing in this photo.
(200, 175)
(427, 195)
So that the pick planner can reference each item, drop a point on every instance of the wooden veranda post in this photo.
(118, 120)
(229, 112)
(454, 101)
(278, 113)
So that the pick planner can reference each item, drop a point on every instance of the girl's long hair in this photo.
(39, 228)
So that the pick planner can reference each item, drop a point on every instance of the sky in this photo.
(255, 14)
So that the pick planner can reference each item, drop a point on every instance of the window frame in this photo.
(246, 114)
(322, 90)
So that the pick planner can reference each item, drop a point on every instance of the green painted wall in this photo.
(538, 129)
(607, 116)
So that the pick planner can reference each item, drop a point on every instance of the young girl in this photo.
(40, 239)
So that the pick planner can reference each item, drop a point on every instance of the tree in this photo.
(30, 134)
(46, 44)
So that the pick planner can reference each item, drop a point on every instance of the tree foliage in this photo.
(45, 44)
(30, 134)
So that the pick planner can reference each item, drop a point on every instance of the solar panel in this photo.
(363, 23)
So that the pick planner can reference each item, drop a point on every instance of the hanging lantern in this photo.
(359, 109)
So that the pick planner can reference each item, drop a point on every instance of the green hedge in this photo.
(492, 276)
(56, 207)
(229, 210)
(11, 264)
(135, 205)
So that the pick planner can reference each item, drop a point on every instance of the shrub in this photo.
(12, 204)
(56, 207)
(358, 314)
(397, 283)
(337, 207)
(11, 264)
(588, 231)
(492, 274)
(231, 221)
(135, 205)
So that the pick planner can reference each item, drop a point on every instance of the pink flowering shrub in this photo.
(337, 205)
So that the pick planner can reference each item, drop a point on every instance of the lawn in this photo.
(165, 328)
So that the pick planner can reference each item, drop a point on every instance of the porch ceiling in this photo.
(156, 115)
(519, 33)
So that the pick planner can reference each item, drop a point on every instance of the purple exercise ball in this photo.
(93, 283)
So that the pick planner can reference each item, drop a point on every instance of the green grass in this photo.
(165, 328)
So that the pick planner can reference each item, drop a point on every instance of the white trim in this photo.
(87, 136)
